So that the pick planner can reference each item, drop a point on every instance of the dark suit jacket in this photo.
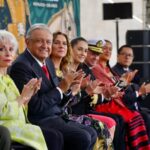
(130, 97)
(46, 102)
(119, 70)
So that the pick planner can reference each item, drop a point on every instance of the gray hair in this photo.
(8, 36)
(38, 26)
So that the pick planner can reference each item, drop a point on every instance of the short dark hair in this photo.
(76, 40)
(123, 46)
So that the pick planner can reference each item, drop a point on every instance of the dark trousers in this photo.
(54, 139)
(5, 140)
(76, 136)
(119, 136)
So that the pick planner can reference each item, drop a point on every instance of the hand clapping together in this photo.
(144, 89)
(70, 80)
(29, 90)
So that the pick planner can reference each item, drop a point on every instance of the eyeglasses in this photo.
(126, 55)
(42, 41)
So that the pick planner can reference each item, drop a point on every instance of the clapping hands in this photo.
(70, 80)
(128, 77)
(76, 85)
(144, 89)
(112, 92)
(109, 91)
(29, 90)
(93, 87)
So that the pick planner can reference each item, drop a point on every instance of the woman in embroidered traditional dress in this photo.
(137, 138)
(61, 56)
(12, 104)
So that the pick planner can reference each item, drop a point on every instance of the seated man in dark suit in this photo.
(124, 61)
(44, 107)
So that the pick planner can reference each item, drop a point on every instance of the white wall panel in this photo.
(94, 27)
